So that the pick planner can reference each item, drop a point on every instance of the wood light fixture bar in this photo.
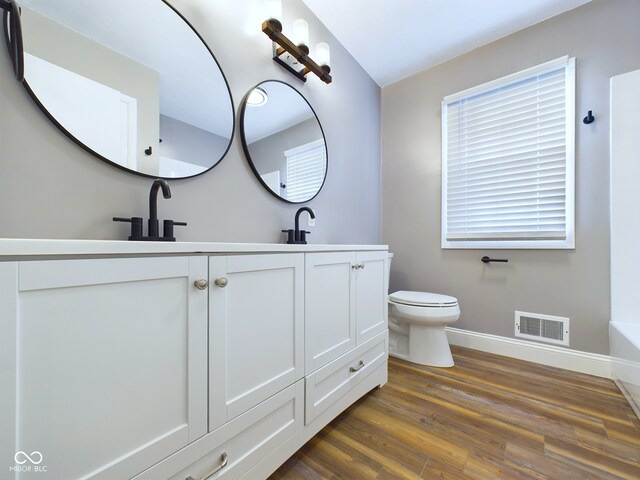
(273, 29)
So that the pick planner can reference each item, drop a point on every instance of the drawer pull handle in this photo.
(221, 282)
(355, 369)
(223, 463)
(201, 284)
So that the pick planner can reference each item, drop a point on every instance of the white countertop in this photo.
(16, 247)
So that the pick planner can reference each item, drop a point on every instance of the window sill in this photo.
(509, 244)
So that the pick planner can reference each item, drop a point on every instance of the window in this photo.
(306, 168)
(508, 161)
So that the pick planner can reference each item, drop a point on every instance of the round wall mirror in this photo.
(133, 84)
(283, 141)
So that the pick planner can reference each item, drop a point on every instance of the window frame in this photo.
(569, 241)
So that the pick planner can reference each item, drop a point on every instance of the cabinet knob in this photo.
(201, 284)
(221, 282)
(362, 265)
(355, 267)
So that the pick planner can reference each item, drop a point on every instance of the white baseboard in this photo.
(574, 360)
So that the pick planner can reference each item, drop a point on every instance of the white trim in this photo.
(574, 360)
(514, 77)
(130, 132)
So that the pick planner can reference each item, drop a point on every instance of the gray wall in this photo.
(188, 143)
(604, 36)
(51, 188)
(268, 153)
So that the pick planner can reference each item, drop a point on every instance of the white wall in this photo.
(51, 188)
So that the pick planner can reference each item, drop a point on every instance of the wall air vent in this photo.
(544, 328)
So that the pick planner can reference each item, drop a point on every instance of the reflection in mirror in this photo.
(283, 141)
(135, 85)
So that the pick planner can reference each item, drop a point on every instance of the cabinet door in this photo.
(256, 333)
(330, 328)
(104, 373)
(371, 295)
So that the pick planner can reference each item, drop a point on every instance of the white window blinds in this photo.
(306, 166)
(508, 160)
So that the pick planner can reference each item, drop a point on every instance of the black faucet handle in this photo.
(136, 226)
(289, 233)
(303, 236)
(168, 229)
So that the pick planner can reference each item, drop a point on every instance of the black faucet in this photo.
(297, 235)
(153, 231)
(153, 203)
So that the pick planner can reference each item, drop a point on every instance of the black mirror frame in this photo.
(245, 146)
(87, 148)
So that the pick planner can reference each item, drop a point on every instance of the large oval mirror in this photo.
(283, 141)
(133, 83)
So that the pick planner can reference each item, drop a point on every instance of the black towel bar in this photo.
(486, 259)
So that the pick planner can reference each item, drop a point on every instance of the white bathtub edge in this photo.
(624, 340)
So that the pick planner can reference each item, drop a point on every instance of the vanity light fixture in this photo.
(257, 97)
(293, 55)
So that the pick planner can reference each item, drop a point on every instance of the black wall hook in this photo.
(589, 118)
(148, 151)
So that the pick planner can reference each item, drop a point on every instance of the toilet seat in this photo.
(423, 299)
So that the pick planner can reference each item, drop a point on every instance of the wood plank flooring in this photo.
(489, 417)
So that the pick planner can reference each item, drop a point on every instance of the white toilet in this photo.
(417, 322)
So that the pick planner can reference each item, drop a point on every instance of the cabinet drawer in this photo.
(249, 438)
(329, 383)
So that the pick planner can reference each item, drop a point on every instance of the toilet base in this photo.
(426, 345)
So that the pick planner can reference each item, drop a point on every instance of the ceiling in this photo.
(285, 108)
(395, 39)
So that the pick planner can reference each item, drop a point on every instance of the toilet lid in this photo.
(423, 299)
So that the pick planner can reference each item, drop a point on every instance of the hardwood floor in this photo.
(489, 417)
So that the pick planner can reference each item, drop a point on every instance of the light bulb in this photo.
(257, 97)
(323, 55)
(300, 35)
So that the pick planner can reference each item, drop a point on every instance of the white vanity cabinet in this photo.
(372, 289)
(256, 330)
(189, 361)
(104, 364)
(330, 307)
(345, 303)
(345, 324)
